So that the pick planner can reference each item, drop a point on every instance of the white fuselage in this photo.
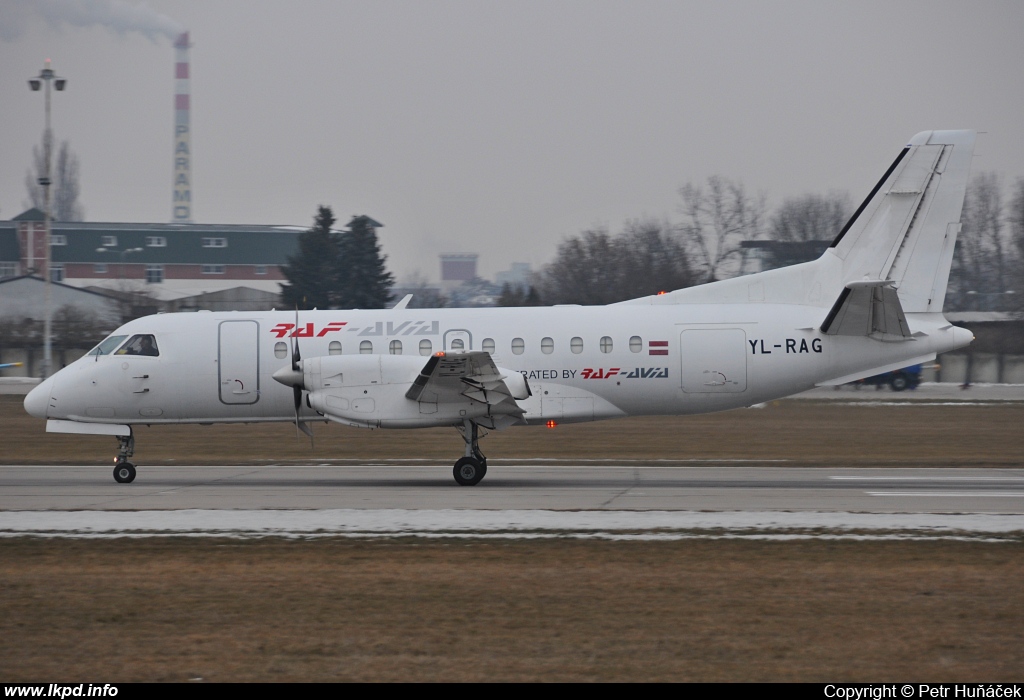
(581, 363)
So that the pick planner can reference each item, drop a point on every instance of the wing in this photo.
(472, 375)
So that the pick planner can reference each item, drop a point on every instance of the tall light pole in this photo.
(47, 76)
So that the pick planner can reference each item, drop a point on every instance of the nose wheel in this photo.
(124, 471)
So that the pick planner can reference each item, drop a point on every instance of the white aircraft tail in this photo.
(905, 230)
(900, 239)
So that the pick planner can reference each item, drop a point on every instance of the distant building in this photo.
(22, 298)
(457, 268)
(163, 261)
(518, 275)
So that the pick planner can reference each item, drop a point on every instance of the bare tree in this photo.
(424, 294)
(582, 270)
(65, 178)
(75, 327)
(653, 259)
(1016, 220)
(810, 217)
(597, 267)
(715, 220)
(66, 206)
(981, 267)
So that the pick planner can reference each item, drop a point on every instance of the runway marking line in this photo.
(948, 494)
(928, 478)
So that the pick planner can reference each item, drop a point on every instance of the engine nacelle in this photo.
(370, 391)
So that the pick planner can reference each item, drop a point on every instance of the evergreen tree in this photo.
(364, 282)
(519, 295)
(533, 298)
(312, 274)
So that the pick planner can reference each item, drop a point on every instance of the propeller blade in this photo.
(297, 386)
(296, 354)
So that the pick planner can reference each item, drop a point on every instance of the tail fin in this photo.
(901, 238)
(906, 229)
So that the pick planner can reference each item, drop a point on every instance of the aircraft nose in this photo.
(38, 400)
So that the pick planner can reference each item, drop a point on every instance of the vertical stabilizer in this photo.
(906, 229)
(901, 238)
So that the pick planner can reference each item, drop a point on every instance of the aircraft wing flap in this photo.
(471, 374)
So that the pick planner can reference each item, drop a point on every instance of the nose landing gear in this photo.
(124, 471)
(472, 468)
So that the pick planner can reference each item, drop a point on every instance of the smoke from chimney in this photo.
(116, 15)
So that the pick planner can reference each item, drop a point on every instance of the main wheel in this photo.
(469, 471)
(124, 473)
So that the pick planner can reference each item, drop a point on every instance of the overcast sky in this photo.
(499, 127)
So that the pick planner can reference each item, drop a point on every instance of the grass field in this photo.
(272, 610)
(557, 610)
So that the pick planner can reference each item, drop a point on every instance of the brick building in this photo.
(164, 261)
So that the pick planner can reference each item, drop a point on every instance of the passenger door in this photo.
(238, 362)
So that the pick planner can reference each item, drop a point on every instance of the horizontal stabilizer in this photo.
(868, 308)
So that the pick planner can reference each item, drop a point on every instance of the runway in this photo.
(533, 498)
(518, 487)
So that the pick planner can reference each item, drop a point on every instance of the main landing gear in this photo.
(472, 468)
(124, 471)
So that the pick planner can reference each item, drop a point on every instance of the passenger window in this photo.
(395, 348)
(426, 347)
(140, 345)
(576, 345)
(635, 344)
(366, 348)
(458, 344)
(518, 346)
(334, 348)
(488, 345)
(606, 344)
(547, 346)
(107, 345)
(280, 351)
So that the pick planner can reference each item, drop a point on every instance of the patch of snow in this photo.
(505, 524)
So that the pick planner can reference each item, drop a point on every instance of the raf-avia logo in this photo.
(307, 331)
(637, 373)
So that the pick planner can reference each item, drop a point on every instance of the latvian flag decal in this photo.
(658, 347)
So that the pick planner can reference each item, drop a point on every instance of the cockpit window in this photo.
(107, 345)
(140, 345)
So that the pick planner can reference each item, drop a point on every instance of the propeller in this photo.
(293, 377)
(297, 388)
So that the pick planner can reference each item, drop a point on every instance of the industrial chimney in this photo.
(182, 204)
